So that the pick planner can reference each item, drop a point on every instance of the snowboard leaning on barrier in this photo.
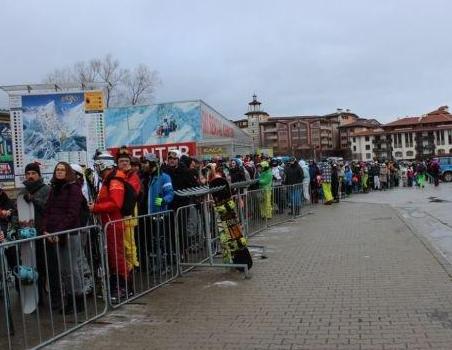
(233, 243)
(26, 271)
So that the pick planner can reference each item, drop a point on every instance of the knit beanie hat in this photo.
(33, 167)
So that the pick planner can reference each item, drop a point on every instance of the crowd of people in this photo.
(121, 188)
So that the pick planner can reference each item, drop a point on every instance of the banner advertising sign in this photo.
(94, 101)
(161, 151)
(165, 123)
(55, 127)
(6, 156)
(214, 125)
(213, 151)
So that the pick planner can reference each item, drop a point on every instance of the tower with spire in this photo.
(255, 116)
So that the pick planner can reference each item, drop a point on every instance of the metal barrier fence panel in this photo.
(192, 226)
(141, 255)
(49, 286)
(255, 221)
(284, 203)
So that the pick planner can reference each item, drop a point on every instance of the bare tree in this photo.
(122, 86)
(139, 85)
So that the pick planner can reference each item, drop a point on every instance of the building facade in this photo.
(407, 138)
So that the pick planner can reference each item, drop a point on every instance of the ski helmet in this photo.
(104, 161)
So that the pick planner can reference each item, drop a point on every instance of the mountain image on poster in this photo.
(52, 124)
(155, 124)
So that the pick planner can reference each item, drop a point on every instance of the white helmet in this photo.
(77, 168)
(175, 153)
(104, 161)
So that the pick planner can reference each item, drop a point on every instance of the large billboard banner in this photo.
(157, 124)
(55, 127)
(6, 156)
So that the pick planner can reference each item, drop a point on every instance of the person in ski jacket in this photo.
(236, 171)
(265, 182)
(108, 205)
(181, 178)
(293, 176)
(435, 171)
(36, 192)
(124, 161)
(306, 179)
(62, 213)
(160, 187)
(325, 169)
(348, 176)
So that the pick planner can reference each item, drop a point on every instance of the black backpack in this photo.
(130, 197)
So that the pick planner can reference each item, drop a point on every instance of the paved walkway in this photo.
(348, 276)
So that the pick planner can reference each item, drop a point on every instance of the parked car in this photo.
(445, 164)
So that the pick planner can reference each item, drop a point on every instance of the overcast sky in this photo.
(383, 59)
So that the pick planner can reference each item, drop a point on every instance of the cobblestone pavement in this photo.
(348, 276)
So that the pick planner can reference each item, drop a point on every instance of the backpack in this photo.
(130, 196)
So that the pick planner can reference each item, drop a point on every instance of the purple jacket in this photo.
(63, 208)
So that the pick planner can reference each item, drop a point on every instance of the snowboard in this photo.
(233, 243)
(26, 272)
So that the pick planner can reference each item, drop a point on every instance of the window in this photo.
(449, 135)
(441, 151)
(408, 139)
(354, 148)
(367, 147)
(398, 154)
(367, 138)
(440, 137)
(397, 140)
(354, 139)
(409, 153)
(368, 155)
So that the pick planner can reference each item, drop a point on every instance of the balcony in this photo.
(382, 141)
(420, 138)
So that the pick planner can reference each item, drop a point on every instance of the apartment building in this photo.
(406, 138)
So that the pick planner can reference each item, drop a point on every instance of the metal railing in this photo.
(141, 255)
(77, 274)
(49, 285)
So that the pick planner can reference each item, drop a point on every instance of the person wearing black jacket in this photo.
(335, 183)
(294, 176)
(182, 177)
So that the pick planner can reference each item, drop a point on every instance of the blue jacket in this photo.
(348, 176)
(160, 186)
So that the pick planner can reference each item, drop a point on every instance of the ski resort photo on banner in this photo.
(154, 124)
(53, 125)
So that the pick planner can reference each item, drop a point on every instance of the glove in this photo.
(158, 201)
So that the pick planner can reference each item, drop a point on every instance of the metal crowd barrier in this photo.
(49, 285)
(80, 272)
(198, 239)
(268, 207)
(141, 255)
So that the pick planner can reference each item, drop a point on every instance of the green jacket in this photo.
(265, 179)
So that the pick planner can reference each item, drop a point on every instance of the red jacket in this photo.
(110, 199)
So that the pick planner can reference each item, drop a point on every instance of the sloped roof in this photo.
(440, 115)
(368, 132)
(361, 122)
